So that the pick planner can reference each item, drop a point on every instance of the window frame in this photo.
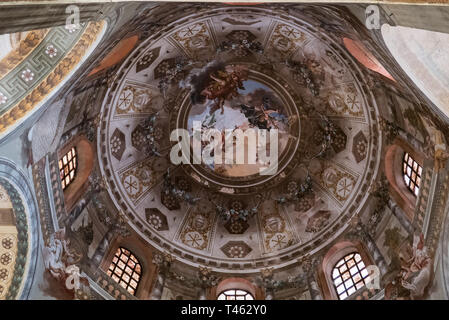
(235, 295)
(362, 271)
(412, 184)
(67, 165)
(113, 266)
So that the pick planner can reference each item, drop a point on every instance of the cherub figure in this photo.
(224, 85)
(58, 257)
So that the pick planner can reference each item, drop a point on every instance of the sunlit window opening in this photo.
(412, 174)
(349, 275)
(126, 270)
(67, 168)
(235, 294)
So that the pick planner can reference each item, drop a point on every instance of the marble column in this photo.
(163, 264)
(202, 294)
(373, 250)
(268, 283)
(314, 289)
(309, 267)
(400, 215)
(97, 257)
(156, 293)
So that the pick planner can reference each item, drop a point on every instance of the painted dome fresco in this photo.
(293, 77)
(223, 151)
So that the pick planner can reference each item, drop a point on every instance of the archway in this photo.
(19, 232)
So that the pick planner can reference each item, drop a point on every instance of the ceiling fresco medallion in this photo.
(286, 78)
(260, 102)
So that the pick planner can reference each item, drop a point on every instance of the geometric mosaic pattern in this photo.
(359, 146)
(156, 219)
(236, 249)
(17, 83)
(236, 226)
(118, 144)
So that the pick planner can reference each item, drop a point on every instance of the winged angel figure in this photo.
(217, 82)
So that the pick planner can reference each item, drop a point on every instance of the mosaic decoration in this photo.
(136, 98)
(359, 146)
(285, 39)
(156, 219)
(338, 140)
(138, 179)
(236, 226)
(345, 100)
(195, 39)
(241, 43)
(147, 59)
(173, 194)
(340, 183)
(146, 135)
(118, 144)
(229, 68)
(236, 249)
(14, 246)
(275, 230)
(37, 75)
(197, 230)
(318, 221)
(16, 56)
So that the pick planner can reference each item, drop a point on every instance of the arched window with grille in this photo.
(126, 270)
(349, 275)
(235, 294)
(412, 171)
(67, 167)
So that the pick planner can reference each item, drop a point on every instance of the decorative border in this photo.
(44, 88)
(32, 40)
(22, 238)
(24, 204)
(27, 74)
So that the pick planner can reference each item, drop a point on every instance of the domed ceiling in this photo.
(289, 75)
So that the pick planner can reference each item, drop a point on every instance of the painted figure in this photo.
(417, 270)
(225, 85)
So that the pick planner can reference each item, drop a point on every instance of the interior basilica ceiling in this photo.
(91, 116)
(329, 145)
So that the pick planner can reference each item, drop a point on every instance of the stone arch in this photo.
(393, 171)
(23, 221)
(333, 255)
(143, 253)
(236, 283)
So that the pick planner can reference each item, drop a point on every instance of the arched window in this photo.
(349, 275)
(126, 270)
(67, 168)
(235, 294)
(412, 173)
